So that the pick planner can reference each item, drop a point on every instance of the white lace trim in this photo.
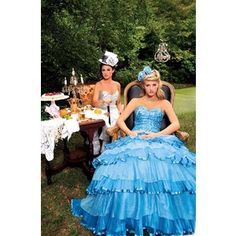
(54, 130)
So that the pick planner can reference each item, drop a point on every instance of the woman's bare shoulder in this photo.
(117, 84)
(165, 104)
(136, 101)
(98, 84)
(133, 104)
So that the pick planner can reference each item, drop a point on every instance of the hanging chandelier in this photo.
(162, 54)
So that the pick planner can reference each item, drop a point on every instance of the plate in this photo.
(54, 99)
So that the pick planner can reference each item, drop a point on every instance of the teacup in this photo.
(81, 115)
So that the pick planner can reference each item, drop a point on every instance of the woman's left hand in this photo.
(150, 135)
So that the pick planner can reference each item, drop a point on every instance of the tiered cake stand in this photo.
(53, 107)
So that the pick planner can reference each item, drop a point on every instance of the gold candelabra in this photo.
(75, 88)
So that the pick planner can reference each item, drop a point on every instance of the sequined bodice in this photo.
(104, 94)
(148, 119)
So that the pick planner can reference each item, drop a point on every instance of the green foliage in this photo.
(76, 34)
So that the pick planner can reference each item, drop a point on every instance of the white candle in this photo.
(73, 72)
(81, 79)
(65, 81)
(75, 82)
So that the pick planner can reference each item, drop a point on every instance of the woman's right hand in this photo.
(133, 133)
(106, 101)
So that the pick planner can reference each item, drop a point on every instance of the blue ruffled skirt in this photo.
(141, 184)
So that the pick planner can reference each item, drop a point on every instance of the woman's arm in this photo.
(96, 101)
(119, 106)
(125, 114)
(174, 122)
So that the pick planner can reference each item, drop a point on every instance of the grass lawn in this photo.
(56, 218)
(185, 108)
(185, 100)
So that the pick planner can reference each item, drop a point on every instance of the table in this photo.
(87, 129)
(83, 155)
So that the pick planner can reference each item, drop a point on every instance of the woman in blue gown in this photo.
(145, 180)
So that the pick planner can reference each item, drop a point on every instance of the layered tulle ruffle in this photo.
(117, 213)
(141, 184)
(168, 148)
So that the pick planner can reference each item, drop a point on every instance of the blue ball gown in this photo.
(141, 184)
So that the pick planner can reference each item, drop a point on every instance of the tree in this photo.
(76, 33)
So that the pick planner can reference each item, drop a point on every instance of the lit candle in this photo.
(65, 81)
(73, 72)
(75, 81)
(81, 79)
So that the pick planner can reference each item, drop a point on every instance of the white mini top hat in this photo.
(109, 58)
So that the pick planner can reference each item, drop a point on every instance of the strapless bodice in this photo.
(104, 94)
(148, 119)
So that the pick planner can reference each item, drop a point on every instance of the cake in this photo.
(53, 95)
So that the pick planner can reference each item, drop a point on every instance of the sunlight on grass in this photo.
(185, 100)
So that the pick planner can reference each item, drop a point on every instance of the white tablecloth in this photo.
(53, 130)
(58, 128)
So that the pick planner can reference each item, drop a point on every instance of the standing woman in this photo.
(107, 96)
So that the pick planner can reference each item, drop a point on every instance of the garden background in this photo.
(21, 63)
(75, 34)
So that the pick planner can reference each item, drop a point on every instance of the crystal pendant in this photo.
(162, 54)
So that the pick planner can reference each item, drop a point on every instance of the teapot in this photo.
(74, 104)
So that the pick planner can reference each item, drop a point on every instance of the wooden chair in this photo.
(133, 90)
(86, 93)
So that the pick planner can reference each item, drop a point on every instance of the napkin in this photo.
(70, 126)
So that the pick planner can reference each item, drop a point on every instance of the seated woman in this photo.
(107, 96)
(146, 180)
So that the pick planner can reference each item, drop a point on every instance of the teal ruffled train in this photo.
(141, 184)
